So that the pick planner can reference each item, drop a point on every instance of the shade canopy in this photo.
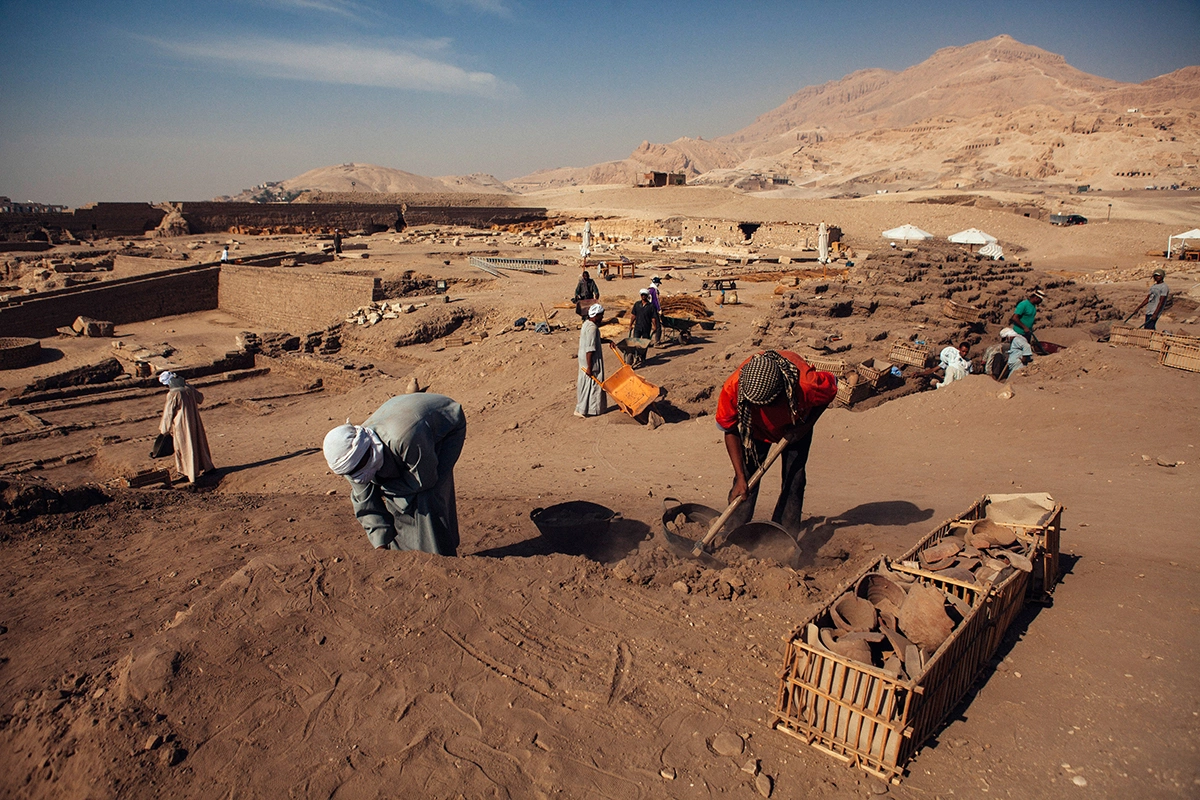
(972, 236)
(585, 249)
(992, 251)
(1194, 233)
(907, 233)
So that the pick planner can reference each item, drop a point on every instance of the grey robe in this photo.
(181, 419)
(409, 504)
(589, 398)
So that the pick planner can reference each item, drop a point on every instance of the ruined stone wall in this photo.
(801, 236)
(294, 300)
(618, 230)
(125, 300)
(471, 217)
(100, 220)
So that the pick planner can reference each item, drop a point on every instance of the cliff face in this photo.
(995, 111)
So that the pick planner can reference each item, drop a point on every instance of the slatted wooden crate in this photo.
(1126, 334)
(962, 312)
(837, 366)
(859, 714)
(848, 395)
(910, 353)
(1159, 340)
(1180, 356)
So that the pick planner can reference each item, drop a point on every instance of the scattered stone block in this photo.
(86, 326)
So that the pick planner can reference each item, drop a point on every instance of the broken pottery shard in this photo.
(853, 649)
(923, 618)
(879, 589)
(764, 784)
(853, 613)
(1017, 560)
(959, 574)
(944, 549)
(899, 643)
(994, 533)
(728, 744)
(913, 661)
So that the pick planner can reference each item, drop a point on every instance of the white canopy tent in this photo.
(907, 233)
(1194, 233)
(585, 249)
(972, 236)
(992, 251)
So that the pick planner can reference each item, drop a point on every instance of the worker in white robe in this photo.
(181, 419)
(589, 397)
(400, 465)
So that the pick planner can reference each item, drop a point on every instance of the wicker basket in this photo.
(962, 312)
(848, 395)
(910, 353)
(837, 366)
(1180, 356)
(1125, 334)
(874, 372)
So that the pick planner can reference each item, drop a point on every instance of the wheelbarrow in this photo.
(634, 350)
(681, 325)
(630, 391)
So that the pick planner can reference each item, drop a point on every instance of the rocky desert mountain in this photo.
(995, 113)
(345, 179)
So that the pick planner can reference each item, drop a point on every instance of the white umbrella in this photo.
(907, 233)
(992, 251)
(1194, 233)
(585, 249)
(971, 236)
(823, 244)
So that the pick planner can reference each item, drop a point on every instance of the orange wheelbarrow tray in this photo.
(632, 393)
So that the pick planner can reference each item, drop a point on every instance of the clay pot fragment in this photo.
(854, 649)
(944, 549)
(959, 574)
(1017, 560)
(986, 574)
(893, 666)
(913, 661)
(898, 642)
(878, 588)
(923, 618)
(996, 534)
(853, 613)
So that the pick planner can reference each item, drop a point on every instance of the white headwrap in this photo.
(596, 310)
(1007, 333)
(165, 377)
(346, 445)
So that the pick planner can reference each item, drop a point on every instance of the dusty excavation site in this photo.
(241, 638)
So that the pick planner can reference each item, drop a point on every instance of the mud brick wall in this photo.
(801, 235)
(293, 300)
(100, 219)
(314, 217)
(144, 297)
(471, 216)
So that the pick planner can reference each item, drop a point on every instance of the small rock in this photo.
(512, 426)
(751, 766)
(1163, 462)
(728, 744)
(1079, 780)
(331, 492)
(683, 588)
(668, 773)
(878, 787)
(153, 742)
(172, 756)
(764, 784)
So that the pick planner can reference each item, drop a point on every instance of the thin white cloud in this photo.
(345, 8)
(497, 7)
(348, 64)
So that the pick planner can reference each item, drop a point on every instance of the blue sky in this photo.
(140, 100)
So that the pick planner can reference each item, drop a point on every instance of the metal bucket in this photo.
(574, 521)
(694, 512)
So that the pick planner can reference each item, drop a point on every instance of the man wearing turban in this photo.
(589, 397)
(400, 465)
(769, 396)
(181, 419)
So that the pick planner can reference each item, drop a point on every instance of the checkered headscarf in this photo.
(760, 381)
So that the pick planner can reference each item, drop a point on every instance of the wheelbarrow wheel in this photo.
(684, 336)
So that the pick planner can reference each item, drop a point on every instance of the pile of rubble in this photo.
(375, 313)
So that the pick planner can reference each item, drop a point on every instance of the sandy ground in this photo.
(243, 640)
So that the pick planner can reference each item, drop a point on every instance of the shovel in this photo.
(772, 454)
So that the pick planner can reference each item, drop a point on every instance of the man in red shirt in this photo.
(771, 395)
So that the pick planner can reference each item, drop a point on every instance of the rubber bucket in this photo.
(765, 539)
(574, 521)
(693, 512)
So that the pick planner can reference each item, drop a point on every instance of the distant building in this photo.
(9, 207)
(663, 179)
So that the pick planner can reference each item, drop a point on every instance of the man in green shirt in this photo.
(1024, 315)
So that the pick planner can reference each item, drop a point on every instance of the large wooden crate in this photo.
(860, 714)
(910, 353)
(1126, 334)
(1159, 340)
(1180, 356)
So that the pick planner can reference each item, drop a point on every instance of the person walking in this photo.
(769, 396)
(1156, 300)
(400, 465)
(181, 419)
(589, 397)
